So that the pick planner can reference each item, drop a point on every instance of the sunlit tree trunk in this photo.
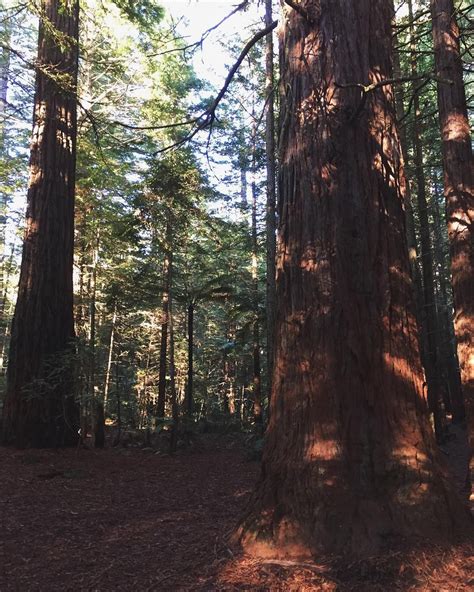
(349, 460)
(458, 182)
(39, 407)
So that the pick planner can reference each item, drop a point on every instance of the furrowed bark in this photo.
(39, 407)
(349, 463)
(458, 166)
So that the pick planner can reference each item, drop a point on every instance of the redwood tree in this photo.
(458, 168)
(39, 408)
(349, 460)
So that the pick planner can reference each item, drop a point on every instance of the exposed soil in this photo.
(131, 519)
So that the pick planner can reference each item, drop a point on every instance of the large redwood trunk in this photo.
(39, 408)
(458, 182)
(349, 461)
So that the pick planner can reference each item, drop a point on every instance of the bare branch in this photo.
(207, 118)
(299, 9)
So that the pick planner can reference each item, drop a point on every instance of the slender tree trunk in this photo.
(448, 346)
(243, 188)
(257, 377)
(92, 336)
(349, 461)
(39, 408)
(6, 266)
(109, 358)
(189, 383)
(270, 218)
(167, 276)
(174, 397)
(409, 217)
(4, 311)
(458, 183)
(429, 318)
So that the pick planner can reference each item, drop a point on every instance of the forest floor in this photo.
(133, 519)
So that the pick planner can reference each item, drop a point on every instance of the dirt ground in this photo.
(132, 519)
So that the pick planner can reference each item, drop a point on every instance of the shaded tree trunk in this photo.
(429, 316)
(4, 76)
(349, 459)
(189, 383)
(455, 400)
(270, 219)
(39, 407)
(109, 358)
(92, 336)
(167, 275)
(174, 395)
(257, 372)
(409, 216)
(458, 182)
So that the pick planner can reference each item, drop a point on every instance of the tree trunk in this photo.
(92, 336)
(409, 216)
(270, 218)
(39, 407)
(167, 274)
(4, 76)
(109, 358)
(174, 397)
(349, 460)
(256, 373)
(458, 182)
(429, 316)
(189, 384)
(448, 346)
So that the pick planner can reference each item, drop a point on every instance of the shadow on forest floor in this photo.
(131, 519)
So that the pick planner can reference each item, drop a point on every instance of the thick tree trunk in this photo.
(458, 182)
(349, 461)
(39, 408)
(270, 218)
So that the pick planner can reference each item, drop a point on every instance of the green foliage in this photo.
(144, 13)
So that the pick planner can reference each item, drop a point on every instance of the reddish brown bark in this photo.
(39, 408)
(458, 182)
(349, 461)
